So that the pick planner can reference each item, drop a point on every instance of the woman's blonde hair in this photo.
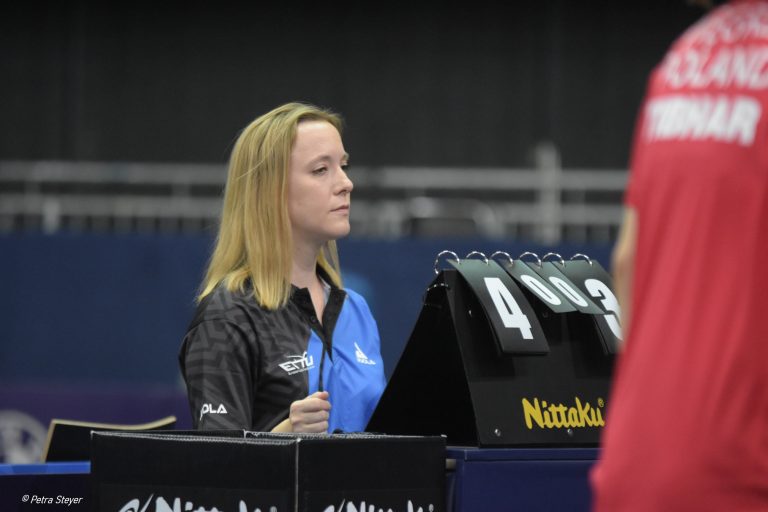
(254, 242)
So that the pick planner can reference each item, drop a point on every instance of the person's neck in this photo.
(304, 266)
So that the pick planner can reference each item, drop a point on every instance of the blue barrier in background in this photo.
(85, 311)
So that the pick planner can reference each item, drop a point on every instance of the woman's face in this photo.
(318, 186)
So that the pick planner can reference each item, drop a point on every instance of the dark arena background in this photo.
(471, 126)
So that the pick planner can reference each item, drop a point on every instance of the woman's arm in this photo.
(217, 368)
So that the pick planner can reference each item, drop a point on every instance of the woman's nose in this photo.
(346, 183)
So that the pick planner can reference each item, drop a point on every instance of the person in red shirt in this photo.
(687, 425)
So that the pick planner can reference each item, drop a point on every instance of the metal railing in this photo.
(545, 204)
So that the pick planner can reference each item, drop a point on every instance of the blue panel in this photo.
(94, 308)
(528, 480)
(113, 308)
(50, 468)
(506, 454)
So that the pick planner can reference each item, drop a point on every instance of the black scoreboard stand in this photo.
(507, 353)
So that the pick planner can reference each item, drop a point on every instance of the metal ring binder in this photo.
(478, 253)
(511, 261)
(580, 255)
(544, 258)
(528, 253)
(437, 259)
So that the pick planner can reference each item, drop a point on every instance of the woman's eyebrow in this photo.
(327, 158)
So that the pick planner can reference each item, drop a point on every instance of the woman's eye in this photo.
(321, 170)
(346, 167)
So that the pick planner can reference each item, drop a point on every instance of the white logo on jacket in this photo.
(361, 357)
(209, 409)
(298, 363)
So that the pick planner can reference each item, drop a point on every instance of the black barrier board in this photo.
(359, 471)
(269, 472)
(152, 471)
(452, 380)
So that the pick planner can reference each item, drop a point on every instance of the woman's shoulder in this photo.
(222, 304)
(353, 295)
(356, 300)
(222, 298)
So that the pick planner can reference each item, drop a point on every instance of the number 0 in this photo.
(539, 289)
(569, 292)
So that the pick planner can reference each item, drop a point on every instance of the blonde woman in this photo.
(276, 343)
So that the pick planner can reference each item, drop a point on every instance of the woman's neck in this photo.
(304, 275)
(304, 267)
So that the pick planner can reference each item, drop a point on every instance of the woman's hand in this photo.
(310, 414)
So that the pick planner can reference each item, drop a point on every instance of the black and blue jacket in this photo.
(244, 365)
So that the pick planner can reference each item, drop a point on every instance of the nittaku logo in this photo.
(298, 364)
(350, 507)
(209, 409)
(179, 505)
(361, 357)
(578, 415)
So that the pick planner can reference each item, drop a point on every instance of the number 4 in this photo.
(509, 311)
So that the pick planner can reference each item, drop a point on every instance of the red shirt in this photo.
(687, 426)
